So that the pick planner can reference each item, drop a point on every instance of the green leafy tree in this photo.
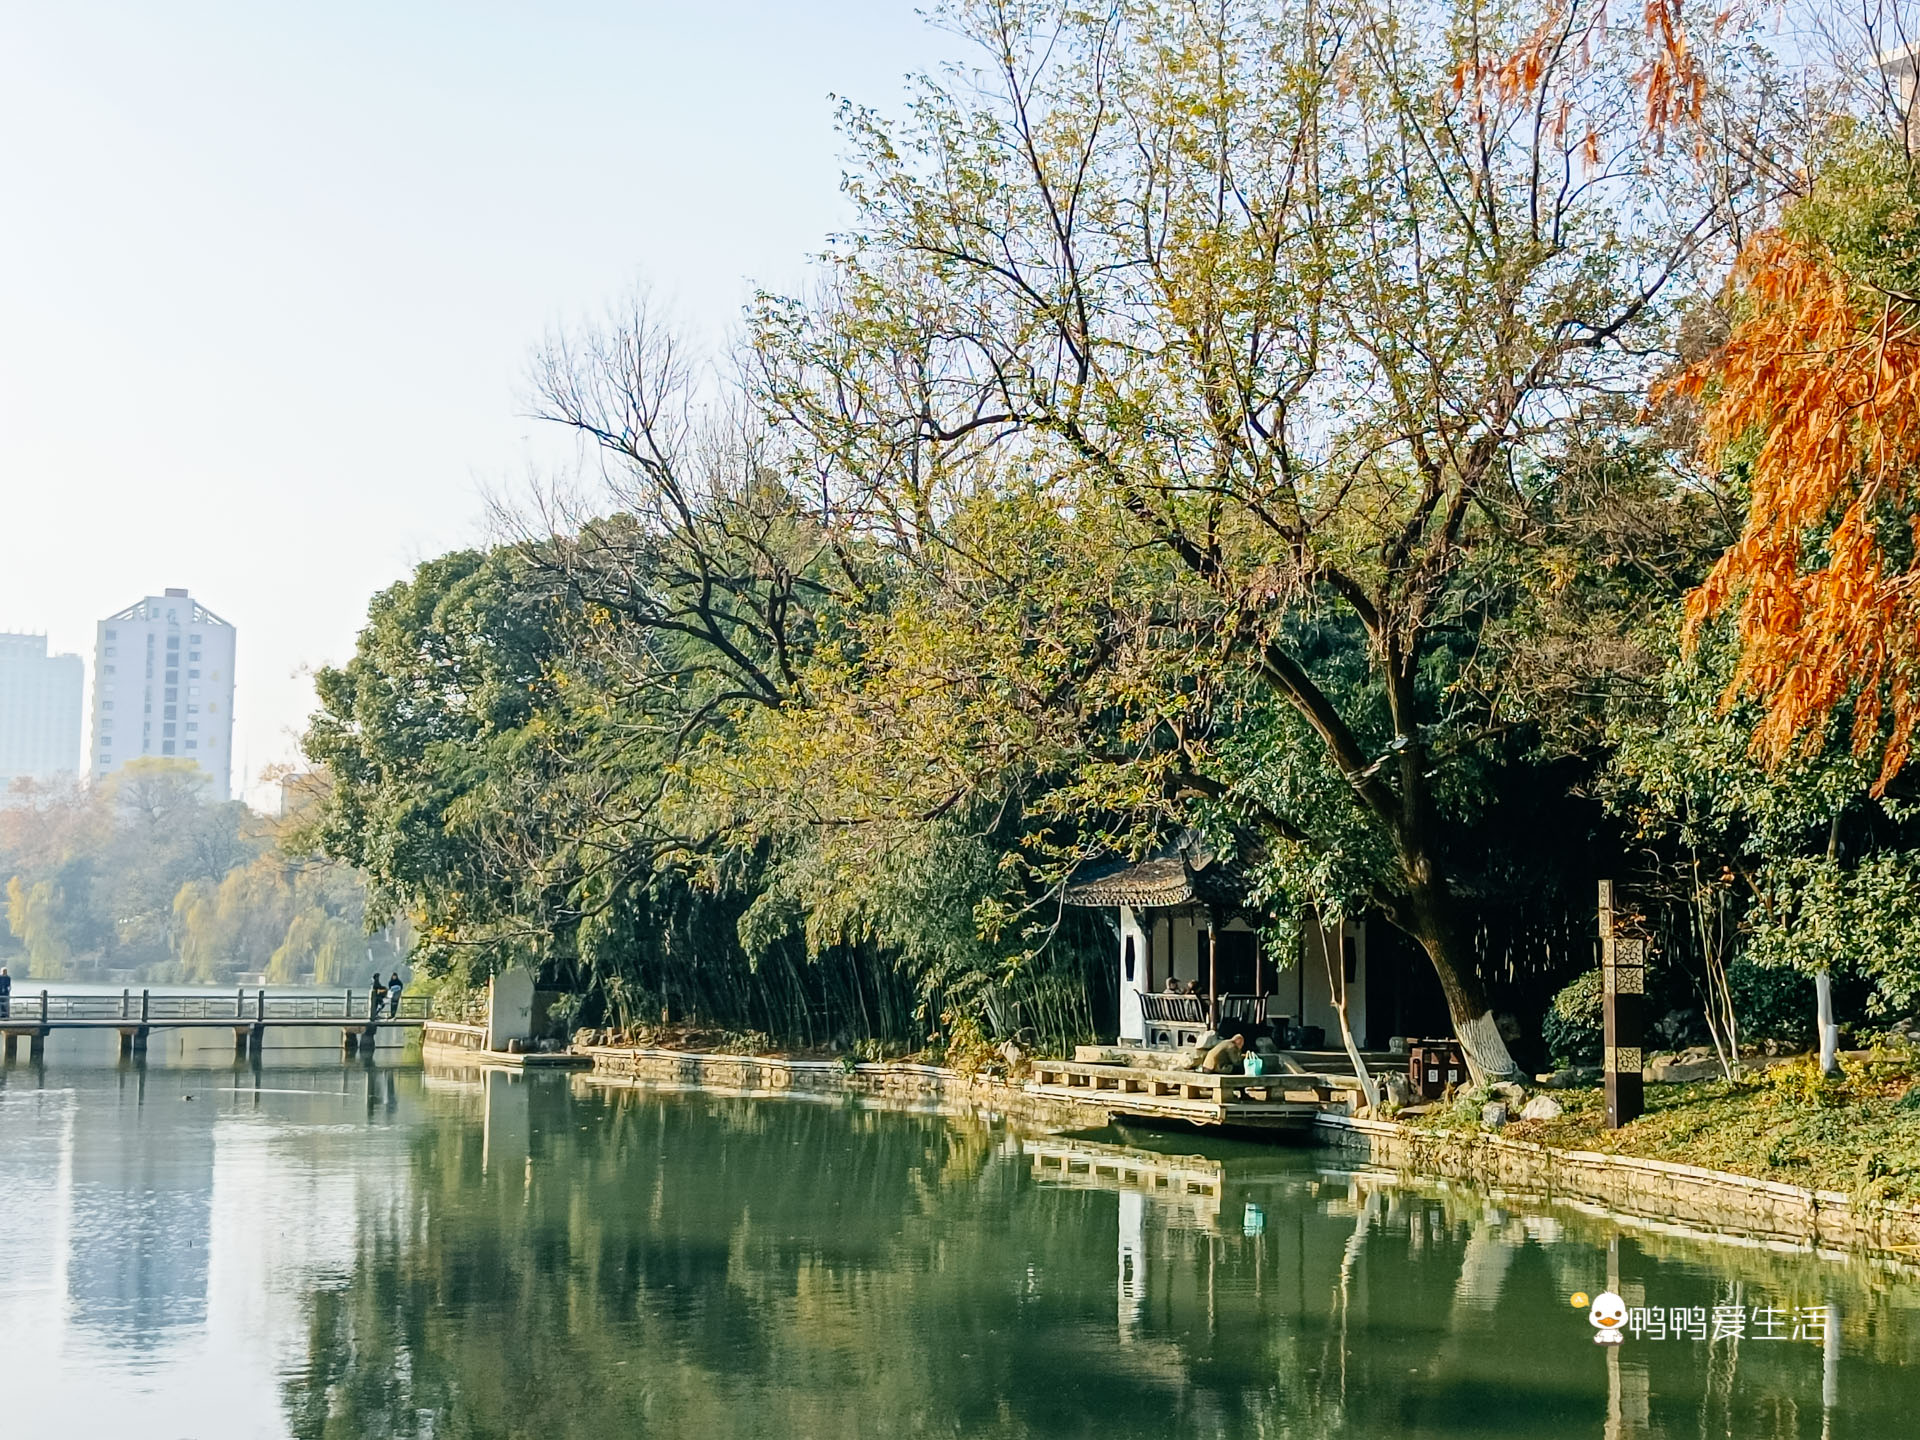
(1270, 304)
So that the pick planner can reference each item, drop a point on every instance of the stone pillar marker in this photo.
(509, 1008)
(1623, 971)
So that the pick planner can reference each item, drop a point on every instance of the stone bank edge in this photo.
(1684, 1196)
(901, 1082)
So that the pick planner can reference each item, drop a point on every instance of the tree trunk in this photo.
(1431, 921)
(1829, 1030)
(1333, 951)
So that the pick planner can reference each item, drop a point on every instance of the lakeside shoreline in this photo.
(1710, 1203)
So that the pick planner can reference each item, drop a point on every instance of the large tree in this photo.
(1279, 301)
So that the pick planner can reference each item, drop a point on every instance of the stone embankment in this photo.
(898, 1082)
(1657, 1190)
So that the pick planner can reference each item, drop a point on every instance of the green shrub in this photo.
(1772, 1003)
(1573, 1028)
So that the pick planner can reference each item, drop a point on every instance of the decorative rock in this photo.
(1494, 1114)
(1508, 1091)
(1541, 1107)
(1573, 1078)
(1667, 1071)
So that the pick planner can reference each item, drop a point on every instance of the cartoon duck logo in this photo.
(1608, 1315)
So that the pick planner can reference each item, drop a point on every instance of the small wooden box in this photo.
(1433, 1065)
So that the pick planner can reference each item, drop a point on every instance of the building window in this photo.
(113, 634)
(173, 694)
(108, 669)
(193, 690)
(173, 677)
(192, 725)
(167, 712)
(193, 674)
(113, 649)
(1129, 959)
(166, 729)
(106, 724)
(166, 747)
(193, 744)
(193, 709)
(193, 655)
(193, 639)
(173, 642)
(106, 704)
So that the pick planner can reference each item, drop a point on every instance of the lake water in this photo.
(326, 1250)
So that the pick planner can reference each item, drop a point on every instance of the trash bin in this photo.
(1433, 1065)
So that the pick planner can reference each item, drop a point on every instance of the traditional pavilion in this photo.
(1183, 921)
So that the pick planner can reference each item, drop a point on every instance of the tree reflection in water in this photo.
(589, 1261)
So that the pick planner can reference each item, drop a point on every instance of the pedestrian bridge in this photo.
(360, 1015)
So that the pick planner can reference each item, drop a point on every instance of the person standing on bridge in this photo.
(394, 987)
(6, 994)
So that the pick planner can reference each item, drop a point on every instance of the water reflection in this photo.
(351, 1252)
(139, 1197)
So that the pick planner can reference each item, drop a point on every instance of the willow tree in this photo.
(1285, 294)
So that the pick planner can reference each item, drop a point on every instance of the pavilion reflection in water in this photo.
(1194, 1244)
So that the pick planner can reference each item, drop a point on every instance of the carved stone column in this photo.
(1623, 970)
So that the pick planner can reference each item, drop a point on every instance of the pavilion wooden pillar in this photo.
(1623, 972)
(1213, 976)
(1259, 987)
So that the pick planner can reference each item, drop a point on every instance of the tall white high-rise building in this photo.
(39, 710)
(163, 685)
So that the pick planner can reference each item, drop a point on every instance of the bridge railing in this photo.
(143, 1006)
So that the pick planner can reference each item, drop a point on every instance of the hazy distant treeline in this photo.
(145, 876)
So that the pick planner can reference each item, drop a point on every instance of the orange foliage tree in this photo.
(1816, 396)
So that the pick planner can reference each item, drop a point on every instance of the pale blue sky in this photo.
(270, 273)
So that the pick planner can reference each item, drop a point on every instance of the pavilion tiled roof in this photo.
(1160, 882)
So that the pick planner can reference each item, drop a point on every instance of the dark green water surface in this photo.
(310, 1249)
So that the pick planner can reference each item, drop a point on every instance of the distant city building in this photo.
(39, 710)
(301, 790)
(163, 685)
